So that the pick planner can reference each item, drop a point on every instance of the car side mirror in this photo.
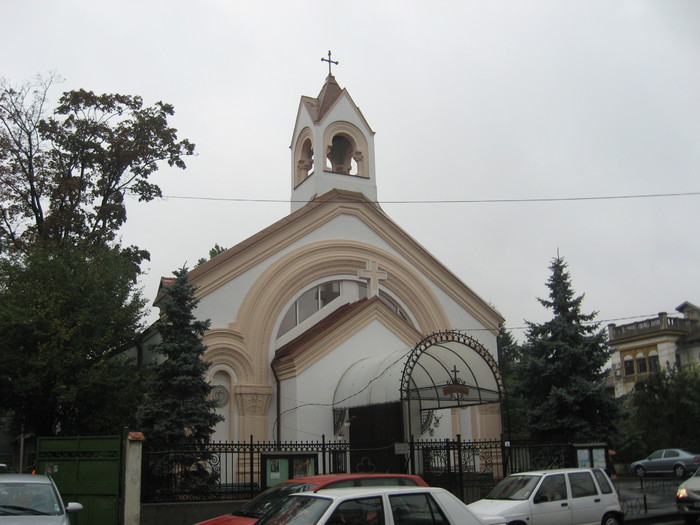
(73, 507)
(539, 498)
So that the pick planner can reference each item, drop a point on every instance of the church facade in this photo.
(333, 322)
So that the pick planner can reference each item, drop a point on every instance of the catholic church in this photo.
(334, 323)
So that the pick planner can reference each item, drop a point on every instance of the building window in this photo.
(308, 303)
(641, 363)
(628, 365)
(653, 361)
(387, 300)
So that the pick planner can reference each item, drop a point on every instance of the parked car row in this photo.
(556, 497)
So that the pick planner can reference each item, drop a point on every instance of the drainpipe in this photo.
(279, 409)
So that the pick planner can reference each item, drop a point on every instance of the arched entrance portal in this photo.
(383, 399)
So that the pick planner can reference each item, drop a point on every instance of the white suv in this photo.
(575, 496)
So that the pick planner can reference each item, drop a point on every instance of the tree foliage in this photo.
(213, 252)
(69, 302)
(178, 408)
(560, 374)
(64, 313)
(65, 177)
(659, 409)
(509, 352)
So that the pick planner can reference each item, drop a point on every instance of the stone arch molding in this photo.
(303, 156)
(270, 293)
(227, 351)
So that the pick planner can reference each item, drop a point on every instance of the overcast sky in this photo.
(471, 100)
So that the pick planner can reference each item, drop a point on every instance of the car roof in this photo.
(24, 478)
(553, 471)
(368, 491)
(323, 479)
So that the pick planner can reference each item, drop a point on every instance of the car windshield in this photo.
(298, 510)
(263, 504)
(514, 487)
(28, 499)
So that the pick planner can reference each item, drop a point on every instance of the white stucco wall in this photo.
(307, 399)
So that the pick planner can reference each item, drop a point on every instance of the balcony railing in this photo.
(649, 326)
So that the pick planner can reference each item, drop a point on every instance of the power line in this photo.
(459, 201)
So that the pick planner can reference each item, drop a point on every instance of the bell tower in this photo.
(332, 146)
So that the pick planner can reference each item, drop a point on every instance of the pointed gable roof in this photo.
(243, 256)
(330, 93)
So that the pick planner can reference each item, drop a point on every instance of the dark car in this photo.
(267, 502)
(667, 461)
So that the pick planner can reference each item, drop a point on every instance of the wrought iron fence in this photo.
(218, 471)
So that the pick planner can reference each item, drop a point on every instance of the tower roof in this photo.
(319, 106)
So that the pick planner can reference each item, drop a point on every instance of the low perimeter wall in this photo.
(185, 513)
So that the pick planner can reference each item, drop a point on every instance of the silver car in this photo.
(32, 500)
(584, 496)
(667, 461)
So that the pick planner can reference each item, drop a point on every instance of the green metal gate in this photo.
(86, 470)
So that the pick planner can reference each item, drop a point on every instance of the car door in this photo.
(654, 461)
(550, 503)
(669, 460)
(586, 503)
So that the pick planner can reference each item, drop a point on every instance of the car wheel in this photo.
(639, 471)
(679, 471)
(611, 519)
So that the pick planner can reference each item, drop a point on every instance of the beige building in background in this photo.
(643, 347)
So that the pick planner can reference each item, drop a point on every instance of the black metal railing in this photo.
(229, 471)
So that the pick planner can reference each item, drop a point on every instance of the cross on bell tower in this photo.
(329, 62)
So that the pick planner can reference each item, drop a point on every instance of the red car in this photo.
(266, 502)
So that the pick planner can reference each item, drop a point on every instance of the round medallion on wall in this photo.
(219, 395)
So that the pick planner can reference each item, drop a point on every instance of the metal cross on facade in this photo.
(454, 372)
(329, 62)
(373, 276)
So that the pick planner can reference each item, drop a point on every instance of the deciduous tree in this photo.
(65, 176)
(65, 313)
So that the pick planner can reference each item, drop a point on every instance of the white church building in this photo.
(334, 323)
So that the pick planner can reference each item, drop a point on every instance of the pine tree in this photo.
(178, 409)
(509, 352)
(561, 374)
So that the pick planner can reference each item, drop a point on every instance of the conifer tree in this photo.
(561, 369)
(178, 409)
(508, 358)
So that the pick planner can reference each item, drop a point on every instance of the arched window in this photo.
(628, 365)
(641, 363)
(653, 361)
(308, 303)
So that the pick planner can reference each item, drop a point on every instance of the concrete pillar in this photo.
(132, 478)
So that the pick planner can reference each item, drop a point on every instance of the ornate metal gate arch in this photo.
(432, 377)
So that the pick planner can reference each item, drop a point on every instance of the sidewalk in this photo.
(649, 500)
